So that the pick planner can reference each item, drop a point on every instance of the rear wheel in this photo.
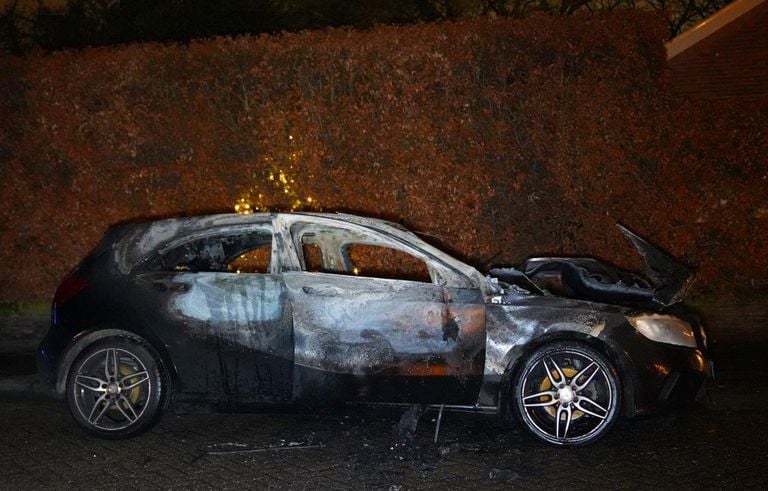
(566, 394)
(116, 387)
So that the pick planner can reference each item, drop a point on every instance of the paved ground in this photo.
(701, 448)
(719, 446)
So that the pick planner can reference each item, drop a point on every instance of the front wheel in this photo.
(116, 387)
(566, 394)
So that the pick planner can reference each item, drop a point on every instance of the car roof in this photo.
(137, 240)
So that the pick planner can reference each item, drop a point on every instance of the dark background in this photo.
(56, 24)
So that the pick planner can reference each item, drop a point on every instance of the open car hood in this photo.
(590, 279)
(671, 280)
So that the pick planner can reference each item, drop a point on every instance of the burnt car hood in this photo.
(589, 279)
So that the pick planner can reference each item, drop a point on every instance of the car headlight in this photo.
(664, 329)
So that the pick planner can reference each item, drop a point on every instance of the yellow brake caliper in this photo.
(133, 394)
(546, 385)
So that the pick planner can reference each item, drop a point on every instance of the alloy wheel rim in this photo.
(111, 389)
(567, 396)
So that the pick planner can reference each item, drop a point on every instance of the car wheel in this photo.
(116, 387)
(566, 394)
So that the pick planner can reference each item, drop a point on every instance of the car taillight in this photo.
(71, 286)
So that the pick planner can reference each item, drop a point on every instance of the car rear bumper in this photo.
(46, 369)
(48, 357)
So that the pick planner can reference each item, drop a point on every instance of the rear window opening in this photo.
(244, 252)
(253, 261)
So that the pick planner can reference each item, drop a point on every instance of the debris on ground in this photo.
(405, 429)
(445, 450)
(503, 475)
(242, 448)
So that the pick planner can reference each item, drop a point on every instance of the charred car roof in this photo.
(135, 242)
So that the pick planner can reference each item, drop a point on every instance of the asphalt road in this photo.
(41, 447)
(720, 445)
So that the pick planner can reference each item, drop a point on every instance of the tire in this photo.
(116, 387)
(566, 394)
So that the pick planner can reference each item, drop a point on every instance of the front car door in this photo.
(371, 321)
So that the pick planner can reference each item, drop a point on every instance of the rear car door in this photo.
(370, 324)
(214, 301)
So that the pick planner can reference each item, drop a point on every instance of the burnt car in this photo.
(241, 311)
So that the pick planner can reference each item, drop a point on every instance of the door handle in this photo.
(324, 291)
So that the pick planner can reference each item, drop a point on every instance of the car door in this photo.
(370, 324)
(223, 316)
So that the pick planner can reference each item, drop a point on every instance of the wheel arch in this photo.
(613, 352)
(86, 338)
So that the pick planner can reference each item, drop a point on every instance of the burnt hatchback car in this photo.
(240, 310)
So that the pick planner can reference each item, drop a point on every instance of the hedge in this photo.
(498, 138)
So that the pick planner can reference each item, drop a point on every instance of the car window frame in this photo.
(434, 265)
(143, 266)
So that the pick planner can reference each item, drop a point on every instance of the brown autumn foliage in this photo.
(500, 138)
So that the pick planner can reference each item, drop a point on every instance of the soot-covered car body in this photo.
(237, 310)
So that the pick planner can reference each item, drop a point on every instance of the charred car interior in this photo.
(282, 308)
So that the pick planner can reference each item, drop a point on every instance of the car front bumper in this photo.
(661, 376)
